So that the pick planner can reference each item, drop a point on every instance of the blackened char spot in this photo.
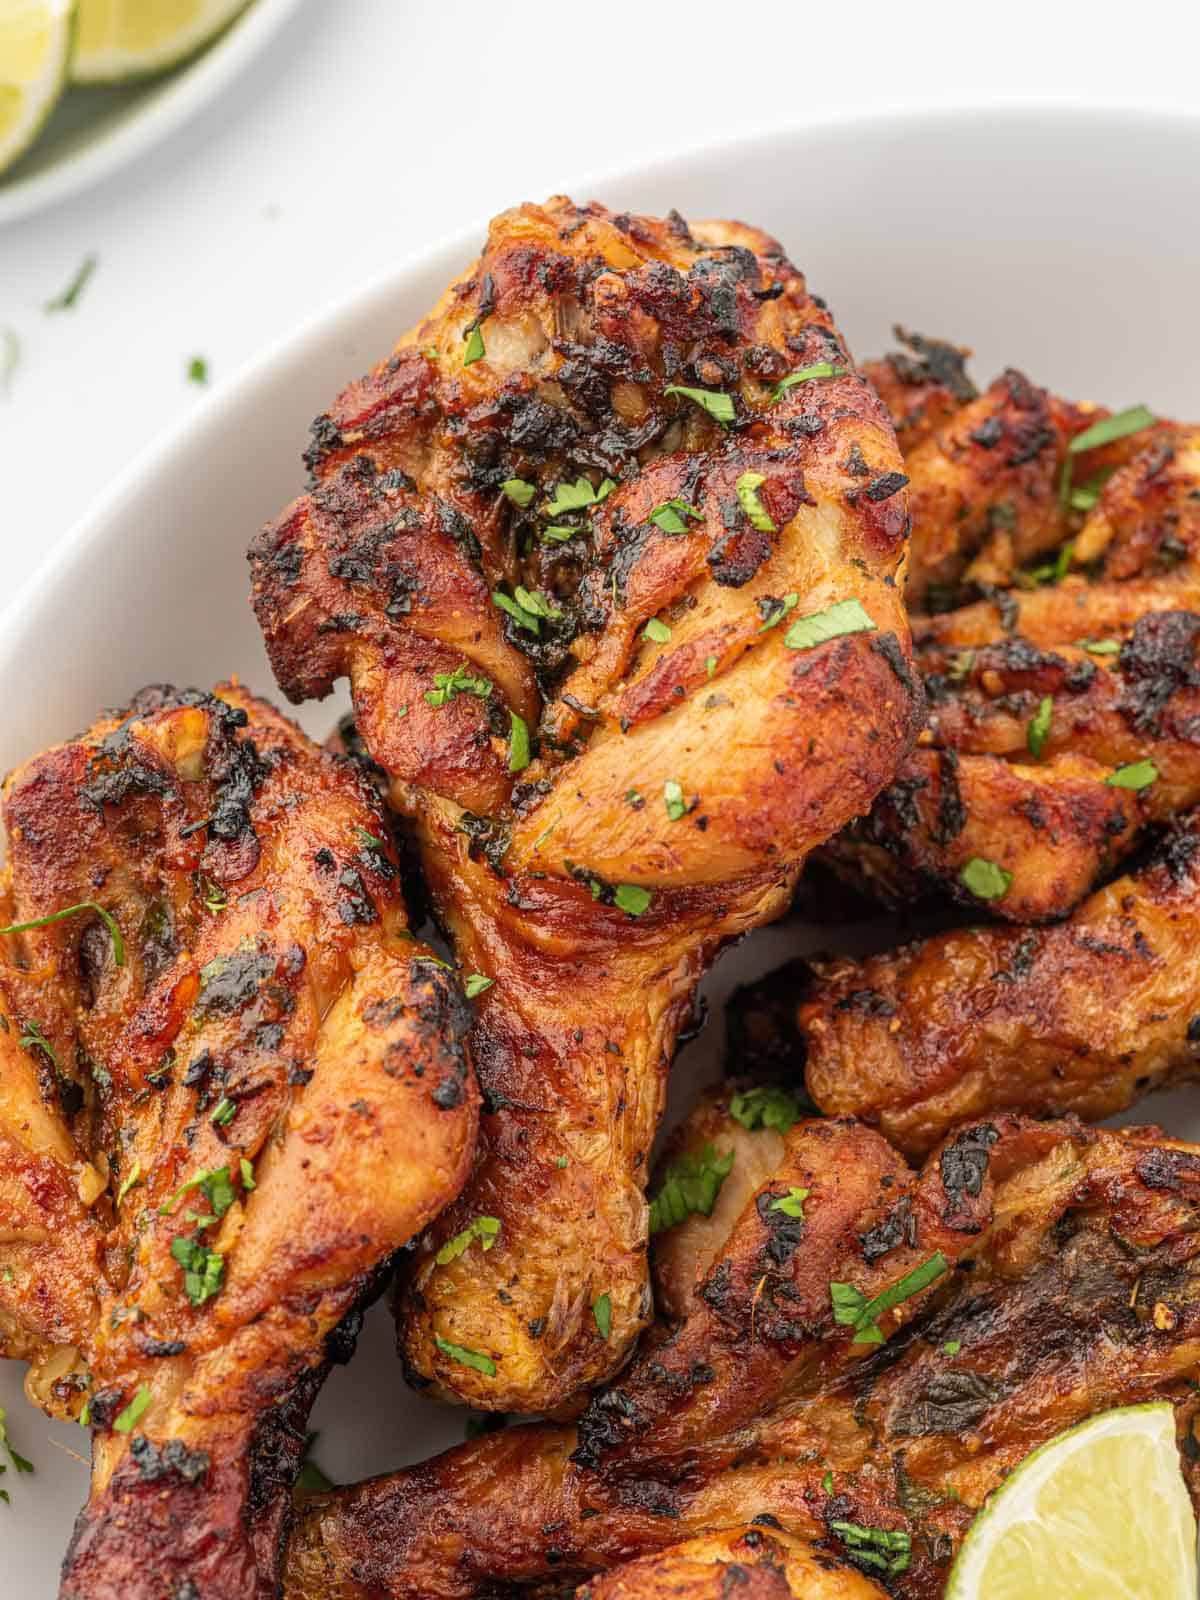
(964, 1163)
(1174, 1170)
(898, 1227)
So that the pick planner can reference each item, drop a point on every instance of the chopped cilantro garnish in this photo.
(960, 665)
(851, 1308)
(827, 1483)
(114, 933)
(518, 743)
(635, 798)
(214, 896)
(669, 516)
(673, 800)
(602, 1311)
(952, 1347)
(748, 486)
(689, 1187)
(133, 1177)
(216, 1187)
(136, 1408)
(476, 350)
(475, 983)
(20, 1462)
(32, 1038)
(67, 300)
(631, 898)
(657, 631)
(1134, 775)
(465, 1357)
(562, 1163)
(986, 880)
(772, 609)
(203, 1269)
(791, 1203)
(459, 681)
(710, 666)
(247, 1171)
(560, 534)
(485, 1229)
(1107, 431)
(887, 1549)
(224, 1112)
(518, 490)
(197, 370)
(1102, 647)
(523, 617)
(844, 616)
(819, 369)
(766, 1107)
(577, 496)
(718, 404)
(1039, 726)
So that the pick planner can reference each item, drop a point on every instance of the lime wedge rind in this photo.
(1100, 1512)
(118, 41)
(37, 35)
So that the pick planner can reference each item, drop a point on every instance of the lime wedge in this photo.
(35, 39)
(121, 39)
(1100, 1513)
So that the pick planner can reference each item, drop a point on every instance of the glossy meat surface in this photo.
(568, 543)
(220, 1114)
(1031, 1273)
(1048, 686)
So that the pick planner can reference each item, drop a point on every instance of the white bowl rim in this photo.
(201, 80)
(462, 245)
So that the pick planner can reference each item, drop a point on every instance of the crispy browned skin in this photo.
(759, 1563)
(272, 1022)
(922, 386)
(1071, 1286)
(986, 781)
(593, 906)
(1086, 1016)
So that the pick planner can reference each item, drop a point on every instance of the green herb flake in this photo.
(602, 1312)
(986, 880)
(819, 369)
(247, 1172)
(710, 666)
(1038, 730)
(465, 1357)
(631, 898)
(225, 1111)
(519, 491)
(33, 1038)
(137, 1407)
(1110, 429)
(459, 681)
(560, 535)
(197, 370)
(669, 516)
(689, 1187)
(718, 404)
(562, 1163)
(1134, 775)
(518, 743)
(109, 921)
(203, 1269)
(656, 631)
(952, 1347)
(10, 360)
(134, 1177)
(475, 983)
(513, 608)
(577, 496)
(960, 665)
(791, 1203)
(852, 1309)
(310, 1477)
(485, 1229)
(20, 1463)
(216, 1186)
(69, 298)
(888, 1550)
(1102, 647)
(673, 800)
(748, 486)
(476, 350)
(766, 1107)
(773, 608)
(843, 617)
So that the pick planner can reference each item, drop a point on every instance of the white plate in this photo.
(94, 130)
(1062, 241)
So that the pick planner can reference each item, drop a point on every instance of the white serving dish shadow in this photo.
(1059, 240)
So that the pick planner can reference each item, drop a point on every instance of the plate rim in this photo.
(208, 74)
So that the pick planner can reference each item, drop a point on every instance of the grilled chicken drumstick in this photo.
(1064, 700)
(231, 1085)
(610, 549)
(756, 1563)
(852, 1352)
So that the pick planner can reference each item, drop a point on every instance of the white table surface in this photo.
(376, 127)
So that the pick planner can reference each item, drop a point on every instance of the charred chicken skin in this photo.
(231, 1086)
(851, 1352)
(610, 549)
(1064, 701)
(762, 1563)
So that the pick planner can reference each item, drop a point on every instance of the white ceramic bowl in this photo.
(1061, 241)
(95, 130)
